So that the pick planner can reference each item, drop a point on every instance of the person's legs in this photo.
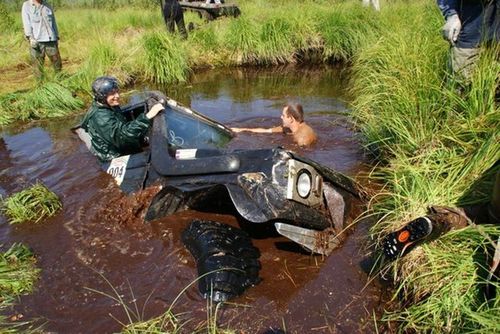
(37, 59)
(181, 26)
(52, 51)
(464, 62)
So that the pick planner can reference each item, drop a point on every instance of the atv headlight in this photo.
(304, 183)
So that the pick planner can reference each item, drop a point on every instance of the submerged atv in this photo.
(306, 202)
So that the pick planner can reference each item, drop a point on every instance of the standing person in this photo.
(40, 29)
(292, 118)
(374, 3)
(111, 134)
(469, 23)
(173, 14)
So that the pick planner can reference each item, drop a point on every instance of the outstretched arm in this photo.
(276, 129)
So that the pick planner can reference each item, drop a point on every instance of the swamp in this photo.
(376, 90)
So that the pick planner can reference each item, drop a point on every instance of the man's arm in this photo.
(26, 20)
(276, 129)
(54, 23)
(448, 7)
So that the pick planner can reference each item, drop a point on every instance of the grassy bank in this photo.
(434, 145)
(132, 44)
(437, 145)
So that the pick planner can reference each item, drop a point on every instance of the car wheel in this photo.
(226, 259)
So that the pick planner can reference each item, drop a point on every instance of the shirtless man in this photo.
(292, 117)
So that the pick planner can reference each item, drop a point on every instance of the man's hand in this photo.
(155, 110)
(451, 28)
(33, 43)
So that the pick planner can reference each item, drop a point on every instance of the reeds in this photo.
(17, 271)
(47, 100)
(132, 43)
(18, 275)
(31, 205)
(164, 59)
(437, 143)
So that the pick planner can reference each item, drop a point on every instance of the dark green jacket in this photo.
(112, 135)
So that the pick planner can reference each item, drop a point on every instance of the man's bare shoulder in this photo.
(305, 136)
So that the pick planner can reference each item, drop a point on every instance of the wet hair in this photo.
(295, 110)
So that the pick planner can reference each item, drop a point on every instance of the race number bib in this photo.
(118, 167)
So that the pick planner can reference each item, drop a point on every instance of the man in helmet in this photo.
(112, 135)
(469, 23)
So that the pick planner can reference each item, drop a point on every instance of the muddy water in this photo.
(97, 257)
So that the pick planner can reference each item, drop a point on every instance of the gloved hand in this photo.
(154, 98)
(154, 110)
(451, 28)
(33, 43)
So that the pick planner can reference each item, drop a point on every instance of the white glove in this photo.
(155, 110)
(33, 43)
(451, 28)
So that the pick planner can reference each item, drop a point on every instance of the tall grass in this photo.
(17, 271)
(437, 144)
(32, 204)
(132, 43)
(47, 100)
(446, 283)
(164, 59)
(18, 275)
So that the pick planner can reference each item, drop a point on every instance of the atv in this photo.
(210, 9)
(304, 200)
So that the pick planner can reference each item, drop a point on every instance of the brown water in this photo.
(96, 256)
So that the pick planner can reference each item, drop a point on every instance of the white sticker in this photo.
(183, 154)
(118, 167)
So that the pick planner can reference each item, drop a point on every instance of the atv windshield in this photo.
(189, 129)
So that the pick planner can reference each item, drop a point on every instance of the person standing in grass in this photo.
(40, 29)
(469, 23)
(112, 135)
(173, 14)
(374, 3)
(292, 118)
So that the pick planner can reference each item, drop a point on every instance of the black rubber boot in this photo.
(397, 243)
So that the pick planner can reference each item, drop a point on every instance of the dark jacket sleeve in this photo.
(125, 136)
(448, 7)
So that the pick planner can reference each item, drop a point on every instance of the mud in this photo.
(97, 256)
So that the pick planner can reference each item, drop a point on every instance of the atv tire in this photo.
(227, 261)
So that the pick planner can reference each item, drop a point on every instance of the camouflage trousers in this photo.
(38, 53)
(463, 62)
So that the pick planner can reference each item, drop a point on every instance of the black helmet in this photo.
(102, 87)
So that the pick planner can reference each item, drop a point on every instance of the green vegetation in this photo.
(435, 142)
(438, 143)
(18, 274)
(32, 204)
(132, 44)
(17, 271)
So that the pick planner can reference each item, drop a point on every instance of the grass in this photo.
(18, 275)
(446, 285)
(437, 143)
(132, 44)
(168, 322)
(434, 142)
(17, 271)
(31, 205)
